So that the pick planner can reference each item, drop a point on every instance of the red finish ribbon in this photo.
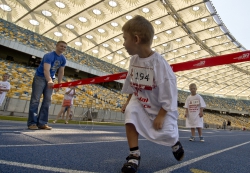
(189, 65)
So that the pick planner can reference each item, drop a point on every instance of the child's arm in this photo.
(158, 121)
(125, 105)
(74, 91)
(186, 113)
(4, 90)
(201, 112)
(202, 106)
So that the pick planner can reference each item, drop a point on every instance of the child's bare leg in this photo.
(133, 160)
(67, 116)
(132, 135)
(70, 115)
(193, 132)
(63, 114)
(199, 131)
(59, 114)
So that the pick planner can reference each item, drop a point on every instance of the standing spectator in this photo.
(229, 125)
(194, 112)
(224, 124)
(43, 82)
(4, 87)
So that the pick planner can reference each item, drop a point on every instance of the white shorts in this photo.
(143, 123)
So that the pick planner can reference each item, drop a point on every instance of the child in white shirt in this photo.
(194, 112)
(4, 87)
(67, 103)
(151, 108)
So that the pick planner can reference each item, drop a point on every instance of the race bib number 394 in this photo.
(142, 76)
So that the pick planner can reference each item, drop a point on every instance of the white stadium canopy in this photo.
(184, 30)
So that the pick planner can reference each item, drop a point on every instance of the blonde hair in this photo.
(140, 26)
(7, 74)
(192, 84)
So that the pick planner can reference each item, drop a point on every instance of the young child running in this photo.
(151, 108)
(67, 103)
(194, 112)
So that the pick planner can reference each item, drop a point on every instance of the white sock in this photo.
(136, 153)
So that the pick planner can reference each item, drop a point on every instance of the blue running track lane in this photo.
(73, 149)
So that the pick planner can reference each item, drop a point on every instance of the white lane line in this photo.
(93, 142)
(8, 131)
(76, 143)
(220, 135)
(46, 168)
(68, 131)
(174, 167)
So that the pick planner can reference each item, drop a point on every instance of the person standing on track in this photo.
(224, 124)
(43, 82)
(194, 112)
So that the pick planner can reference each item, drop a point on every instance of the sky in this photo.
(235, 15)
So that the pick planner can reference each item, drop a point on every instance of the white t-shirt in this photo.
(69, 96)
(193, 104)
(3, 85)
(153, 83)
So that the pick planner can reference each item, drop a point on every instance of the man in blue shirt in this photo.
(43, 82)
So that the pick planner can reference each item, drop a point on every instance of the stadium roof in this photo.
(184, 30)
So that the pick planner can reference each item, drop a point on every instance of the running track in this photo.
(81, 149)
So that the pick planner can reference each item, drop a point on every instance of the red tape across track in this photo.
(189, 65)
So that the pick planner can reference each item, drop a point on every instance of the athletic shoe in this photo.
(45, 127)
(33, 127)
(178, 151)
(191, 138)
(131, 167)
(202, 139)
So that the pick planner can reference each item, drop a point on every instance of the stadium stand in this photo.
(216, 102)
(99, 97)
(34, 40)
(21, 80)
(204, 35)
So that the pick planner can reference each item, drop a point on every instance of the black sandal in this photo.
(130, 167)
(178, 151)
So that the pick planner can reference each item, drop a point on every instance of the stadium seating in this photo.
(28, 38)
(15, 33)
(217, 119)
(216, 102)
(98, 97)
